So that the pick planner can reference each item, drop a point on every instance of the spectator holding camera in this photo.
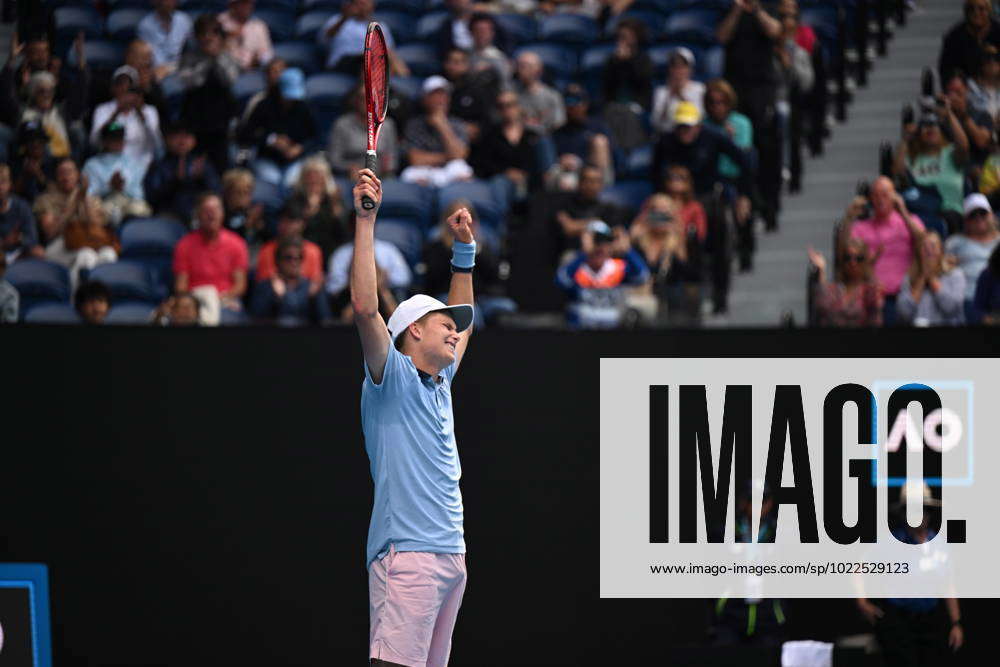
(977, 124)
(141, 121)
(628, 73)
(671, 250)
(888, 230)
(596, 278)
(931, 160)
(854, 299)
(933, 290)
(679, 88)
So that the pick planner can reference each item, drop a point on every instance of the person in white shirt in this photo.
(143, 142)
(343, 36)
(679, 88)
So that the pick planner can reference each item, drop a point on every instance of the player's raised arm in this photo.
(463, 258)
(364, 290)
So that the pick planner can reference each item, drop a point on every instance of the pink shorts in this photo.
(413, 601)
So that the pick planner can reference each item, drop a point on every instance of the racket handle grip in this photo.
(371, 162)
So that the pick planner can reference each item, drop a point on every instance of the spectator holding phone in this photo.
(889, 233)
(931, 160)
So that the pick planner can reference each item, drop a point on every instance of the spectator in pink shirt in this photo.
(889, 234)
(212, 256)
(248, 40)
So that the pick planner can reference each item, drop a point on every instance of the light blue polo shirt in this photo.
(410, 440)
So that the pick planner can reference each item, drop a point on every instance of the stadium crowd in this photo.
(919, 245)
(619, 156)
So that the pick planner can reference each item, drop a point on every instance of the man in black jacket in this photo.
(962, 44)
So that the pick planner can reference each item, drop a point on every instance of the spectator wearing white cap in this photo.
(141, 121)
(436, 143)
(974, 245)
(678, 88)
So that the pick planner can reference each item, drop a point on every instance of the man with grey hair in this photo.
(543, 106)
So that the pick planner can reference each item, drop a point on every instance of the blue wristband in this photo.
(463, 255)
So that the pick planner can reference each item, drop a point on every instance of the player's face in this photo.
(440, 336)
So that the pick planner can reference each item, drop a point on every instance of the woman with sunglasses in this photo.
(973, 247)
(933, 292)
(855, 299)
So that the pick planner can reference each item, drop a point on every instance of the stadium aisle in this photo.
(778, 283)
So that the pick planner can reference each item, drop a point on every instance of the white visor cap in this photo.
(415, 307)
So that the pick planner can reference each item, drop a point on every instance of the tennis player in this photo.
(416, 546)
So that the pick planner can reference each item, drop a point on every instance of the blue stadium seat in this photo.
(407, 86)
(101, 55)
(693, 25)
(429, 24)
(304, 55)
(328, 91)
(128, 281)
(401, 25)
(414, 7)
(592, 63)
(519, 27)
(627, 194)
(122, 23)
(287, 6)
(709, 61)
(560, 62)
(483, 195)
(421, 58)
(268, 194)
(229, 318)
(309, 24)
(130, 313)
(247, 85)
(329, 6)
(280, 22)
(568, 29)
(38, 281)
(638, 163)
(52, 313)
(150, 237)
(71, 20)
(403, 234)
(196, 7)
(653, 20)
(151, 241)
(407, 201)
(127, 4)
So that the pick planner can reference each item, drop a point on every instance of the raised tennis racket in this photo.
(376, 67)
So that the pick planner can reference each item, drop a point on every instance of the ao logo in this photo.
(1, 637)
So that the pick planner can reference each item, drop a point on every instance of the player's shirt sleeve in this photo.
(392, 375)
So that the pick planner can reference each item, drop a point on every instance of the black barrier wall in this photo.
(202, 496)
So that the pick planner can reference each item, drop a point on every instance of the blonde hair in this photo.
(235, 177)
(725, 89)
(317, 163)
(917, 268)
